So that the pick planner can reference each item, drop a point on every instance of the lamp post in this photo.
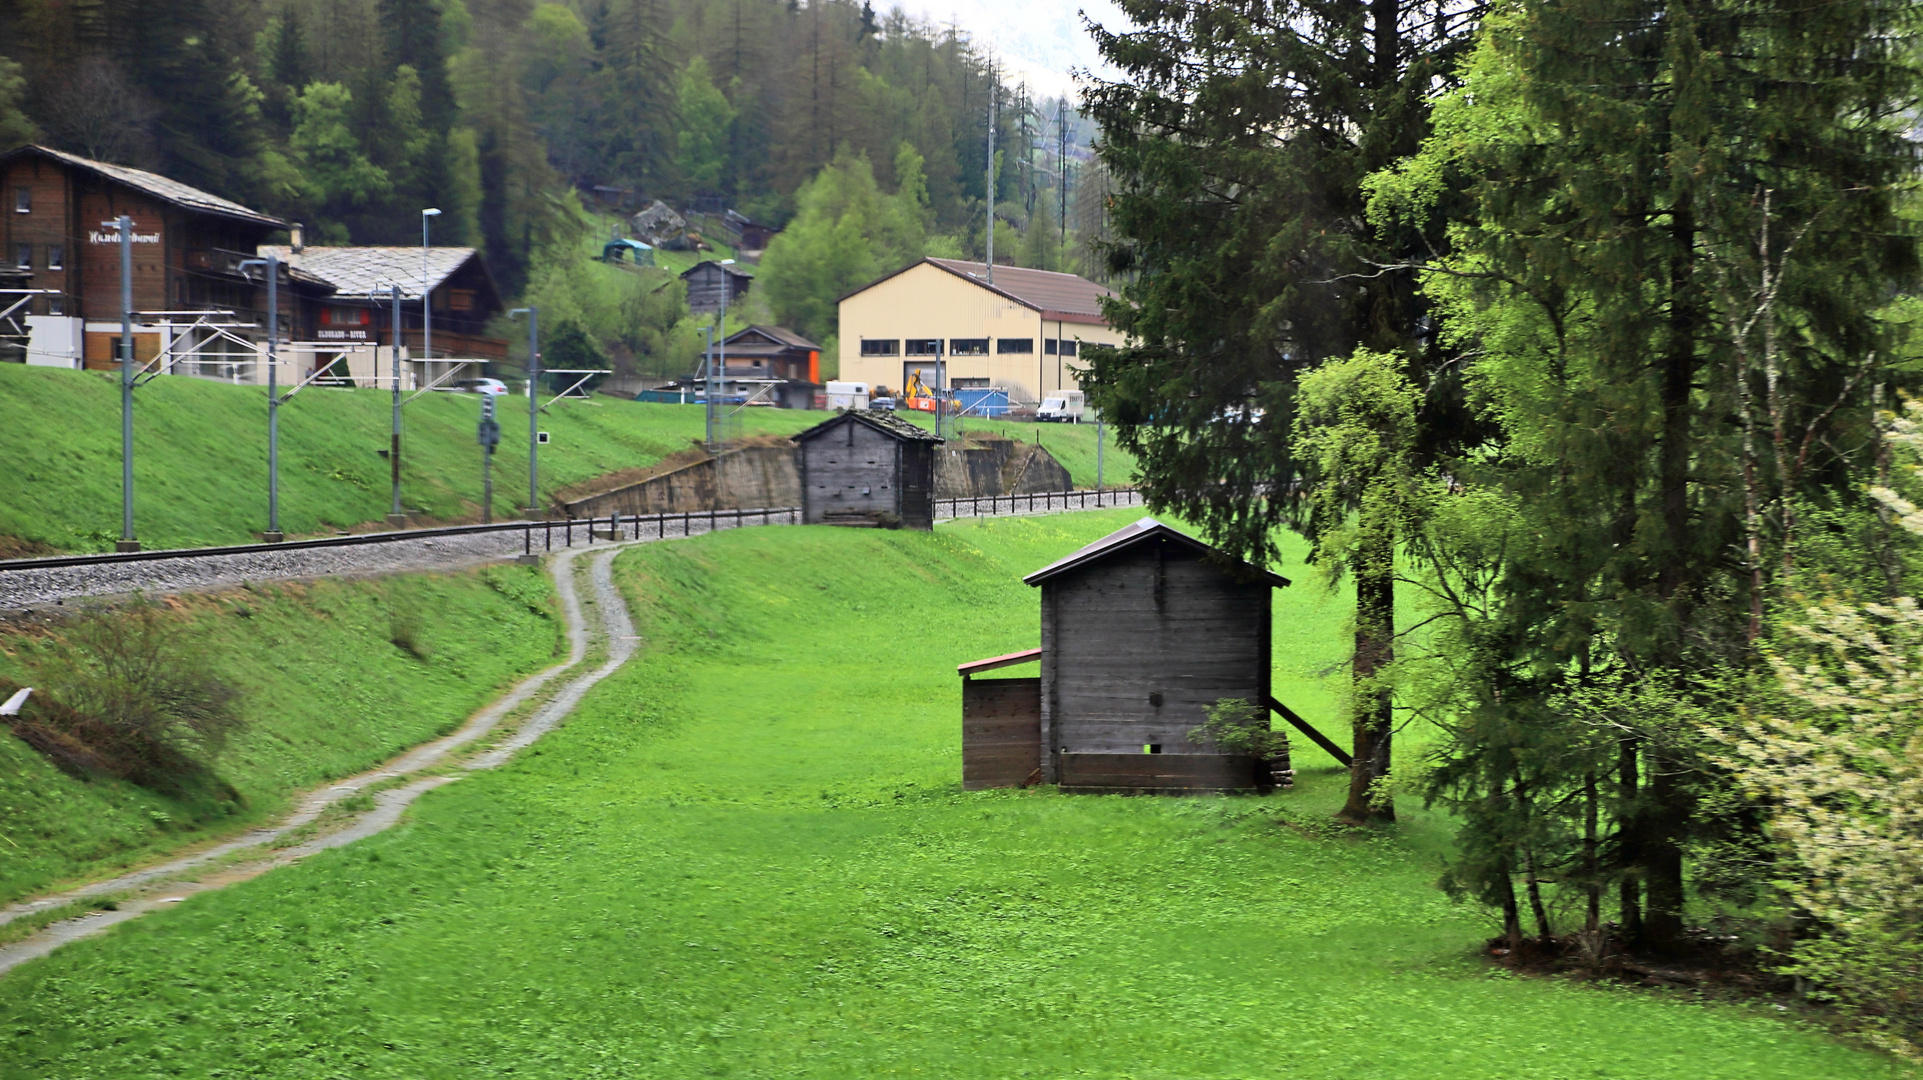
(427, 313)
(396, 517)
(125, 225)
(533, 406)
(271, 263)
(721, 351)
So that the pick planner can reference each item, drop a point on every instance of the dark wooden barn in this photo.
(1142, 631)
(709, 281)
(871, 469)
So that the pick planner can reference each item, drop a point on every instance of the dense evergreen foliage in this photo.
(352, 115)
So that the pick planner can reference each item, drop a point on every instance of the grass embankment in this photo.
(326, 691)
(200, 457)
(748, 856)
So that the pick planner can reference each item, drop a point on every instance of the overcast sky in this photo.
(1040, 40)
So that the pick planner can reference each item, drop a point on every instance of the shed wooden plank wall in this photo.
(1001, 732)
(852, 469)
(917, 483)
(1150, 620)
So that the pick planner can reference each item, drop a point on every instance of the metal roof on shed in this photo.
(1135, 533)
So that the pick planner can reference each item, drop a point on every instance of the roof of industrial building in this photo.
(1140, 532)
(173, 191)
(886, 423)
(1059, 297)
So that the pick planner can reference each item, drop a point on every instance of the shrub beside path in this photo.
(175, 880)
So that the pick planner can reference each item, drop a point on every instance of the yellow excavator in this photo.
(916, 394)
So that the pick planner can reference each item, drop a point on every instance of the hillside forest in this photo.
(866, 133)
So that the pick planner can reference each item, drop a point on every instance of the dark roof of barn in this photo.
(778, 337)
(885, 423)
(716, 263)
(1059, 297)
(173, 191)
(1137, 533)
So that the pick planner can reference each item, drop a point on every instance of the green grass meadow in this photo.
(748, 855)
(200, 456)
(326, 692)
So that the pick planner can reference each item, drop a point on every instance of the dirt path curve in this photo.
(175, 880)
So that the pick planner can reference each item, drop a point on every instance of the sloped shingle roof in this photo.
(882, 422)
(780, 335)
(173, 191)
(1135, 533)
(368, 271)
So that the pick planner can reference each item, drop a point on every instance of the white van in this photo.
(848, 395)
(1060, 407)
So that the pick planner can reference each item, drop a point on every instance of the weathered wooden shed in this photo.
(864, 468)
(708, 282)
(1142, 631)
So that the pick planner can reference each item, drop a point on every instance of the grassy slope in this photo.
(200, 474)
(748, 856)
(327, 694)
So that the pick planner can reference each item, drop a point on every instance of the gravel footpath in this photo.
(27, 588)
(173, 881)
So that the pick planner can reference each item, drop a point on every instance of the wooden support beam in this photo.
(1302, 726)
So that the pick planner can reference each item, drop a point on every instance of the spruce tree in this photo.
(1625, 164)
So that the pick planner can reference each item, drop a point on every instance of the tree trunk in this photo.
(1629, 846)
(1592, 869)
(1374, 647)
(1534, 885)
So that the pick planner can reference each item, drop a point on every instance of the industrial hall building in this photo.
(958, 326)
(199, 298)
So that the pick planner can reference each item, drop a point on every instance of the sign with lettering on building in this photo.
(114, 238)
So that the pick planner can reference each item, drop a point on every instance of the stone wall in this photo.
(754, 477)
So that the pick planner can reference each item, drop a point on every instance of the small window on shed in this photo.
(460, 299)
(1152, 748)
(23, 200)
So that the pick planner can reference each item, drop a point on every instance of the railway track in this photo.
(28, 585)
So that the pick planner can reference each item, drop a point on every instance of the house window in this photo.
(56, 305)
(56, 257)
(968, 346)
(923, 346)
(23, 256)
(23, 200)
(1015, 345)
(349, 316)
(890, 347)
(460, 299)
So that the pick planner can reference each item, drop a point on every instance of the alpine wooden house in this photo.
(867, 469)
(1142, 631)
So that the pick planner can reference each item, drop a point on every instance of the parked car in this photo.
(882, 404)
(481, 386)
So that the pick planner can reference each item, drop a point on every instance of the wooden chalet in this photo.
(867, 469)
(709, 281)
(789, 363)
(63, 254)
(1142, 631)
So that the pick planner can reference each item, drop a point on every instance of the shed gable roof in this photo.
(173, 191)
(891, 426)
(779, 336)
(1139, 532)
(716, 265)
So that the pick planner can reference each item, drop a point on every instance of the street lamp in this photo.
(721, 350)
(533, 405)
(396, 517)
(271, 264)
(427, 313)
